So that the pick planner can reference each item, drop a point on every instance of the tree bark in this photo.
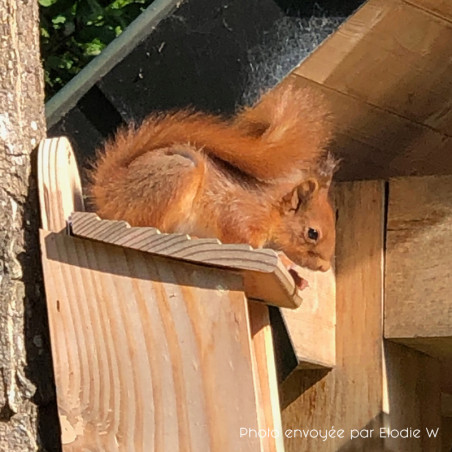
(27, 399)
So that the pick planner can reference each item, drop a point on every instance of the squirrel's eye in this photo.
(313, 234)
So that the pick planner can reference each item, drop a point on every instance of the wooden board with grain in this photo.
(389, 87)
(403, 61)
(350, 395)
(265, 277)
(266, 384)
(60, 190)
(312, 326)
(412, 398)
(147, 353)
(418, 275)
(178, 246)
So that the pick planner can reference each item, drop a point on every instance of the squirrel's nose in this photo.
(324, 266)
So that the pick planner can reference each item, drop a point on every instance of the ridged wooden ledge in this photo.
(264, 276)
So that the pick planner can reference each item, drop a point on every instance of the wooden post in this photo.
(350, 395)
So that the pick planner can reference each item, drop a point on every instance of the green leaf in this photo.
(94, 47)
(47, 3)
(60, 19)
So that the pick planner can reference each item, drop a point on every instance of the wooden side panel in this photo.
(403, 69)
(60, 190)
(350, 395)
(148, 356)
(418, 307)
(266, 383)
(312, 325)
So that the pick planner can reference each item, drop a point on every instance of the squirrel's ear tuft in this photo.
(326, 169)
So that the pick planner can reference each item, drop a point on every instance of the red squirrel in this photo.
(261, 177)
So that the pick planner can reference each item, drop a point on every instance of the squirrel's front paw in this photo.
(294, 270)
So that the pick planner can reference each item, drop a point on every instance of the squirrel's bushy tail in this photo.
(286, 132)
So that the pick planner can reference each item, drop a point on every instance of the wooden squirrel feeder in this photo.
(159, 342)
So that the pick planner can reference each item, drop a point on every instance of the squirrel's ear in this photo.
(299, 195)
(291, 201)
(307, 189)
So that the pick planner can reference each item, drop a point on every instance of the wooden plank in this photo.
(266, 383)
(377, 144)
(312, 325)
(60, 191)
(140, 347)
(350, 395)
(405, 70)
(179, 246)
(418, 277)
(265, 276)
(413, 399)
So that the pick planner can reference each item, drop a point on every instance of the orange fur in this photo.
(261, 178)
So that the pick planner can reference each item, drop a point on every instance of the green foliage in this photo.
(73, 32)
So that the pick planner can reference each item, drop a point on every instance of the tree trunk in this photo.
(27, 399)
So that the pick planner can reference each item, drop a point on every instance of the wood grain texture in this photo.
(312, 325)
(265, 276)
(350, 395)
(413, 398)
(265, 382)
(374, 385)
(60, 191)
(180, 246)
(418, 274)
(148, 355)
(405, 70)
